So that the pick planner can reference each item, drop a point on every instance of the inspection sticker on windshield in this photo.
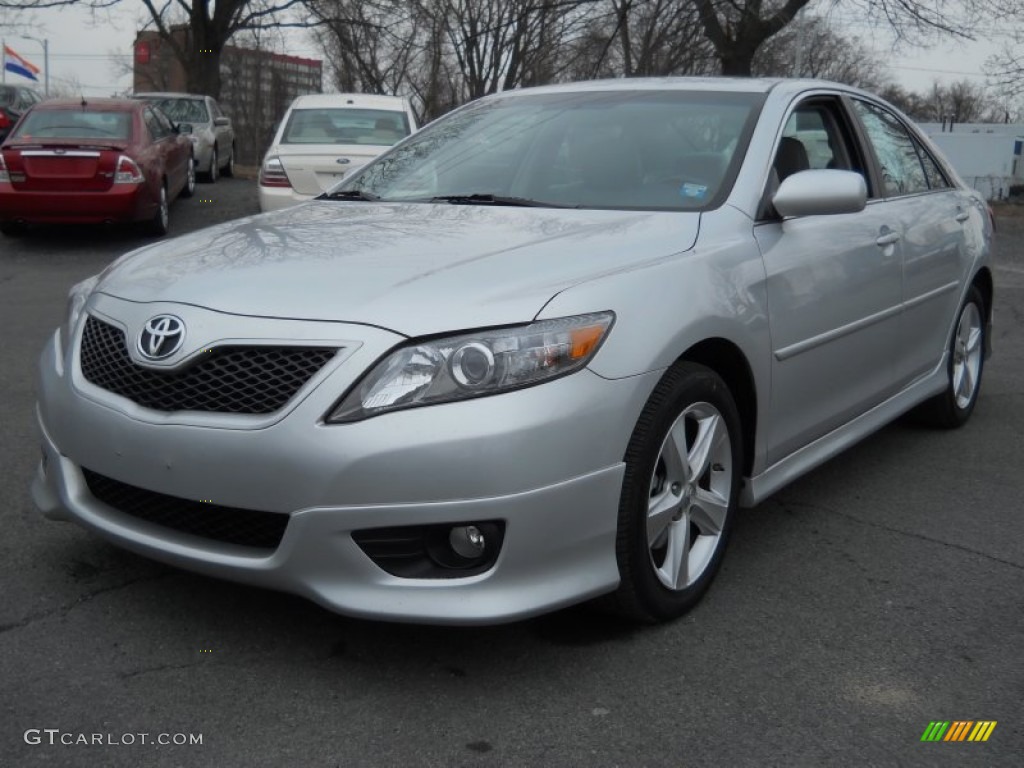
(696, 191)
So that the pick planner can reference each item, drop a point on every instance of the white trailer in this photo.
(989, 161)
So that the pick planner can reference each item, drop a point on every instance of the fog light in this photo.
(467, 541)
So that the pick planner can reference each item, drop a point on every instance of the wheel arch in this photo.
(728, 361)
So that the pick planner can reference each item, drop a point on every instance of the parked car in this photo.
(323, 137)
(211, 133)
(537, 353)
(14, 101)
(93, 161)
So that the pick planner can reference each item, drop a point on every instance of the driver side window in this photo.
(816, 136)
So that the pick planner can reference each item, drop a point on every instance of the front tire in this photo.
(954, 407)
(679, 494)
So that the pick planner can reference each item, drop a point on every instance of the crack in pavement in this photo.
(910, 534)
(160, 668)
(63, 610)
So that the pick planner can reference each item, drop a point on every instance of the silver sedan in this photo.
(209, 130)
(538, 353)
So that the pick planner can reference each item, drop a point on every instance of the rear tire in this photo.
(679, 494)
(214, 170)
(190, 178)
(228, 171)
(160, 223)
(954, 407)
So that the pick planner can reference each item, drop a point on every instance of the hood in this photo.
(413, 268)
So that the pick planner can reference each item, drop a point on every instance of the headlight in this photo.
(474, 365)
(77, 297)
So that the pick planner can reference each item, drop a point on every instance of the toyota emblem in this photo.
(161, 337)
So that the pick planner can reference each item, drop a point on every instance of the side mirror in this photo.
(183, 127)
(821, 192)
(222, 121)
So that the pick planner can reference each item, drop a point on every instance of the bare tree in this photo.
(824, 54)
(737, 29)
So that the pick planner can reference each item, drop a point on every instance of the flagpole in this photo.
(3, 60)
(46, 61)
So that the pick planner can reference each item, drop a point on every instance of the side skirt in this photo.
(757, 489)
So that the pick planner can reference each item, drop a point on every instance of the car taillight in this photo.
(272, 174)
(5, 121)
(4, 175)
(128, 172)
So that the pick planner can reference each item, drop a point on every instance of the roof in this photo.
(706, 84)
(167, 95)
(734, 84)
(109, 105)
(357, 100)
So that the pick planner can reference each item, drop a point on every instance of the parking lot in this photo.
(877, 594)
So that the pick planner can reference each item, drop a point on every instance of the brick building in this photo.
(256, 86)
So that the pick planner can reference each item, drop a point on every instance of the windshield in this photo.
(183, 110)
(7, 95)
(380, 127)
(672, 150)
(74, 124)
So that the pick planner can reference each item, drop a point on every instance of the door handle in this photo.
(888, 239)
(963, 216)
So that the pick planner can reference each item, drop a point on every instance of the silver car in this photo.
(211, 133)
(538, 353)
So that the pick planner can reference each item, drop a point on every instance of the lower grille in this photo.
(245, 527)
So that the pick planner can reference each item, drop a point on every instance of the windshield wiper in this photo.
(487, 199)
(349, 194)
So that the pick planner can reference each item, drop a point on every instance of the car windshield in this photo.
(7, 95)
(74, 124)
(673, 150)
(183, 110)
(323, 125)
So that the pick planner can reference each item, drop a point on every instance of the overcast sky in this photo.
(83, 50)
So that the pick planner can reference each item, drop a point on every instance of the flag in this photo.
(19, 66)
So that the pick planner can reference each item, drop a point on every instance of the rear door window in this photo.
(902, 171)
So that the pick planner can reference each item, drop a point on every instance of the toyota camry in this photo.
(537, 353)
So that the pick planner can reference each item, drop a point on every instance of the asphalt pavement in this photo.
(880, 593)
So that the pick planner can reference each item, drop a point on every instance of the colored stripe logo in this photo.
(958, 730)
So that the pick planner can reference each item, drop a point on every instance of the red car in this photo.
(93, 161)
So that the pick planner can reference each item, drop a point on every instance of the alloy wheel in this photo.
(690, 492)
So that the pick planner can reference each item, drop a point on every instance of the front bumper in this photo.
(546, 460)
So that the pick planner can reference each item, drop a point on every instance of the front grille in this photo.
(245, 527)
(253, 379)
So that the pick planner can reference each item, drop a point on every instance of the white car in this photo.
(324, 137)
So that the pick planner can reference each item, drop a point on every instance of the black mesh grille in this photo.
(253, 379)
(246, 527)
